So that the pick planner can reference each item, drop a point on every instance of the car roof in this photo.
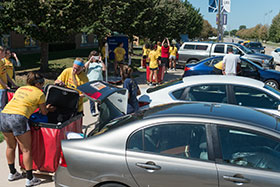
(201, 79)
(216, 111)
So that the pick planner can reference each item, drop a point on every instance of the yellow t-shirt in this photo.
(9, 67)
(145, 51)
(3, 73)
(119, 54)
(153, 59)
(25, 101)
(219, 65)
(66, 77)
(158, 50)
(103, 53)
(148, 52)
(173, 51)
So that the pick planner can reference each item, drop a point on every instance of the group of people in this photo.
(161, 54)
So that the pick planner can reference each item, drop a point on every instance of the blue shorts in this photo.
(14, 123)
(3, 99)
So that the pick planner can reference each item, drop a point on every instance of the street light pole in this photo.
(219, 21)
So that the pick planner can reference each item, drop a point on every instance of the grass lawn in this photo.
(58, 61)
(1, 137)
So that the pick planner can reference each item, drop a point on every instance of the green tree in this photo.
(233, 32)
(242, 27)
(207, 30)
(274, 30)
(45, 20)
(263, 33)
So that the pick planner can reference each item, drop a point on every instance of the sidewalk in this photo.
(88, 119)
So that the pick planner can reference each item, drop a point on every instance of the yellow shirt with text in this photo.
(158, 50)
(25, 101)
(119, 54)
(67, 77)
(9, 67)
(153, 59)
(173, 51)
(3, 73)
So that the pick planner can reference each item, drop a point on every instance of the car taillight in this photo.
(62, 161)
(187, 68)
(142, 103)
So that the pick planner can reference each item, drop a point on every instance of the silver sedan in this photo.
(179, 144)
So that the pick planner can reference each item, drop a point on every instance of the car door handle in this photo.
(148, 165)
(236, 179)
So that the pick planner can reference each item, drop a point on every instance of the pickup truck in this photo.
(191, 52)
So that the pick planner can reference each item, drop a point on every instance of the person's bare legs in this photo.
(11, 147)
(156, 75)
(115, 68)
(121, 72)
(24, 142)
(151, 76)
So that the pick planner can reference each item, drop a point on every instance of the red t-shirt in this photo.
(164, 52)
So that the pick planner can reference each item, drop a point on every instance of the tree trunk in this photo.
(44, 57)
(130, 45)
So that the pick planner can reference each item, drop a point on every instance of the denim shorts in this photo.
(14, 123)
(3, 99)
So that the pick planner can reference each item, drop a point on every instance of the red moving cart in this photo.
(161, 71)
(46, 137)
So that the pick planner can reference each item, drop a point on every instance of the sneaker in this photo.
(33, 182)
(12, 177)
(150, 84)
(94, 114)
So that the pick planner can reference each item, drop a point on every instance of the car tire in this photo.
(112, 185)
(272, 83)
(193, 61)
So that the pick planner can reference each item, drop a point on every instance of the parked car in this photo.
(257, 47)
(215, 88)
(276, 55)
(248, 69)
(179, 144)
(192, 52)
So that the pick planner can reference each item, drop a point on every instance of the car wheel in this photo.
(192, 61)
(272, 83)
(112, 185)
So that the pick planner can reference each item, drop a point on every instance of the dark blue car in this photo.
(248, 69)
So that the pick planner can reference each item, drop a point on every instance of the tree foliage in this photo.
(207, 30)
(56, 20)
(241, 27)
(274, 30)
(259, 32)
(44, 20)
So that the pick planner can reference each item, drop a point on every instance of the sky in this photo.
(243, 12)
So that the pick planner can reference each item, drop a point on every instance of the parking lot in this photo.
(47, 180)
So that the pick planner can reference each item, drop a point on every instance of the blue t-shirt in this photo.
(95, 71)
(132, 87)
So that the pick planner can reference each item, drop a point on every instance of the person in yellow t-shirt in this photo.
(158, 50)
(145, 54)
(119, 52)
(15, 127)
(74, 77)
(4, 79)
(154, 63)
(172, 57)
(11, 63)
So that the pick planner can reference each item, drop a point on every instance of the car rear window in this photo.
(219, 49)
(201, 47)
(189, 46)
(165, 85)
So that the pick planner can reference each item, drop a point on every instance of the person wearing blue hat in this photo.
(74, 77)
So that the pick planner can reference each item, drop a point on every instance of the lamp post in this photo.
(219, 21)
